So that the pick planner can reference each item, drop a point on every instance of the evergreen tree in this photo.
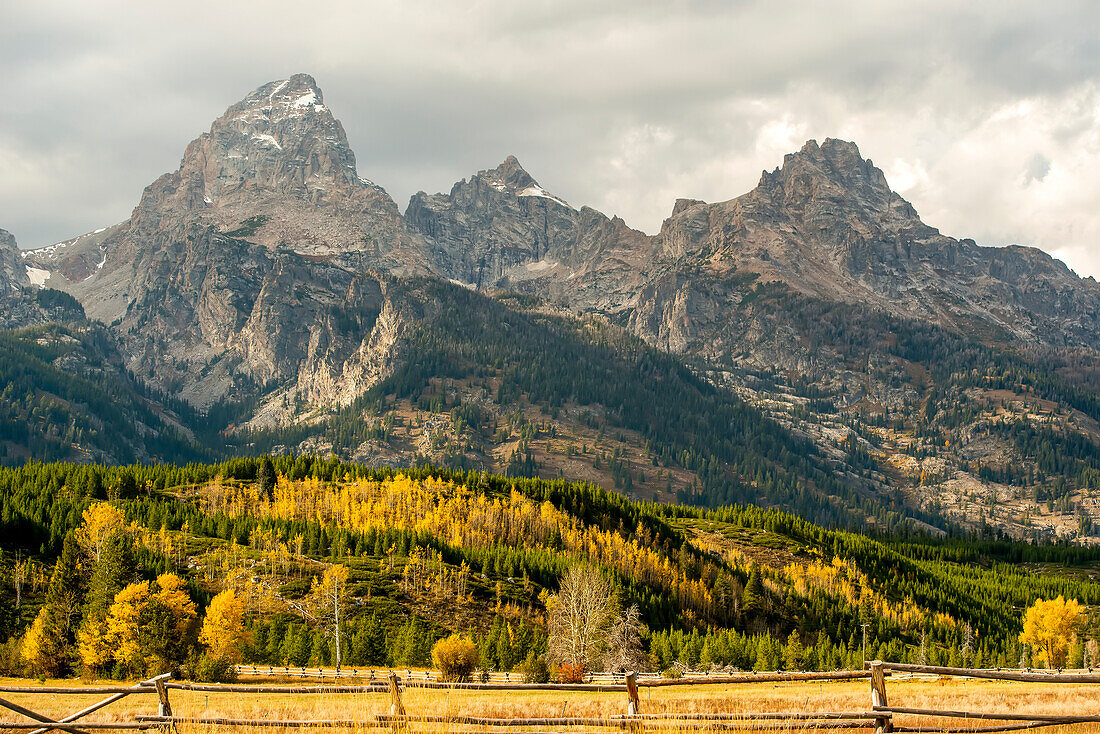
(52, 648)
(794, 653)
(267, 477)
(752, 599)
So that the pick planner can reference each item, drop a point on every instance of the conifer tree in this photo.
(267, 478)
(51, 647)
(752, 599)
(115, 569)
(794, 653)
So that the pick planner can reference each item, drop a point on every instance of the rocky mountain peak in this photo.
(509, 176)
(281, 135)
(276, 168)
(832, 171)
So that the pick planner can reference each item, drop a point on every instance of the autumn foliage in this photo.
(455, 657)
(223, 631)
(1050, 626)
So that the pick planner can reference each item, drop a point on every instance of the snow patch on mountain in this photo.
(38, 276)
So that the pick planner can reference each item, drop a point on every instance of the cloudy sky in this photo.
(986, 115)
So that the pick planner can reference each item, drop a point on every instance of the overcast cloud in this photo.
(986, 115)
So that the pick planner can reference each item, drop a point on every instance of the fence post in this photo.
(165, 707)
(633, 706)
(883, 724)
(397, 708)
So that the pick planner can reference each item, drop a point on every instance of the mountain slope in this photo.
(824, 349)
(67, 397)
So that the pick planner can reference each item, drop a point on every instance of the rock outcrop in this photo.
(501, 230)
(13, 273)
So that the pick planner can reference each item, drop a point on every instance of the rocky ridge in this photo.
(501, 230)
(827, 225)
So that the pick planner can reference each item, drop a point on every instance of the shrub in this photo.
(535, 670)
(456, 658)
(571, 673)
(672, 672)
(11, 658)
(214, 669)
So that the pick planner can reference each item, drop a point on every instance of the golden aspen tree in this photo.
(223, 630)
(1050, 626)
(34, 641)
(124, 626)
(101, 521)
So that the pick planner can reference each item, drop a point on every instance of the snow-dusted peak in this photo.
(282, 134)
(511, 178)
(288, 98)
(540, 192)
(508, 176)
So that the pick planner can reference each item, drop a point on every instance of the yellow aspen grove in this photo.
(101, 521)
(1050, 627)
(33, 642)
(124, 626)
(223, 631)
(445, 509)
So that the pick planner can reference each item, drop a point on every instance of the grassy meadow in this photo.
(843, 696)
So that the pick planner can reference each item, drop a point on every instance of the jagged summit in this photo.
(300, 90)
(511, 178)
(830, 172)
(279, 136)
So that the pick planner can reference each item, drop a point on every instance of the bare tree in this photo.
(325, 602)
(624, 642)
(19, 577)
(579, 617)
(328, 595)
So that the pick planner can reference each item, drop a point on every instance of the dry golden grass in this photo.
(845, 696)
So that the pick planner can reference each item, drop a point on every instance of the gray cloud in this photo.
(986, 115)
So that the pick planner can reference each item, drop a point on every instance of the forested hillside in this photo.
(66, 396)
(414, 555)
(542, 389)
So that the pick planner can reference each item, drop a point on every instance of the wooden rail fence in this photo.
(880, 717)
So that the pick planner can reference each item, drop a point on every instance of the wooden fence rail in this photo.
(881, 716)
(1024, 676)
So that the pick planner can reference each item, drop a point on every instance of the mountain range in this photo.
(811, 344)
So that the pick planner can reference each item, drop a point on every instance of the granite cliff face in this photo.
(13, 275)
